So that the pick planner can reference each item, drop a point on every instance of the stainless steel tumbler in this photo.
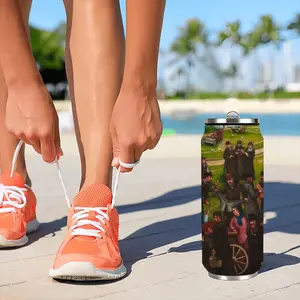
(232, 165)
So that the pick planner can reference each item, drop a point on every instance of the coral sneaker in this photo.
(17, 211)
(90, 250)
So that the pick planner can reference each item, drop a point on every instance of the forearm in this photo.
(143, 30)
(16, 59)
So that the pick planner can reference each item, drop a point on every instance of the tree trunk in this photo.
(178, 81)
(188, 84)
(233, 78)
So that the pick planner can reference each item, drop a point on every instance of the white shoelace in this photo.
(80, 217)
(12, 197)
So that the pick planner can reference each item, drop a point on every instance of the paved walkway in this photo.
(159, 207)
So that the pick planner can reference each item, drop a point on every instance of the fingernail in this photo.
(60, 152)
(55, 161)
(114, 162)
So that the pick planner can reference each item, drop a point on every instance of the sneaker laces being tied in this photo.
(93, 228)
(89, 218)
(12, 197)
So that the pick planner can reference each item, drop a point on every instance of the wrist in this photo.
(24, 82)
(139, 80)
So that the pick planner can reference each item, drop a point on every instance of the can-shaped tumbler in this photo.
(232, 164)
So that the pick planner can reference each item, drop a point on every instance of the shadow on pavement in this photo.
(139, 245)
(48, 230)
(170, 199)
(280, 198)
(284, 200)
(274, 261)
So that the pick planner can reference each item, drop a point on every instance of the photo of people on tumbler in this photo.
(232, 160)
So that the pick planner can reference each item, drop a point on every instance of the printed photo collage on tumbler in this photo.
(232, 165)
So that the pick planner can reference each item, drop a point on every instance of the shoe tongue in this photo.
(96, 195)
(15, 180)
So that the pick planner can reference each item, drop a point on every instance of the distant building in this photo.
(293, 87)
(297, 74)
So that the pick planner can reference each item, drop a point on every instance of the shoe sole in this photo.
(85, 271)
(31, 227)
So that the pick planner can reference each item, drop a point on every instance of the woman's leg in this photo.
(94, 60)
(8, 142)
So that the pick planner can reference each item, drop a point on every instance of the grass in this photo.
(217, 172)
(216, 152)
(240, 95)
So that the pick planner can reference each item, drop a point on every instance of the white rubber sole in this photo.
(31, 227)
(85, 271)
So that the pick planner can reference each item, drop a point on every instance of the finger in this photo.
(138, 152)
(116, 155)
(127, 156)
(23, 138)
(36, 145)
(153, 143)
(48, 149)
(32, 142)
(57, 142)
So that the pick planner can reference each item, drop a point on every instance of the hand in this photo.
(135, 125)
(32, 118)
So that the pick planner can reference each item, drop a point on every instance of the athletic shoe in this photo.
(90, 250)
(17, 211)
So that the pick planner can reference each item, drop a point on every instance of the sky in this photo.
(48, 14)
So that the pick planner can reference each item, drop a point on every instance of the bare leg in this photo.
(94, 60)
(8, 142)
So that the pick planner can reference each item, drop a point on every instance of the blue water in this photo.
(270, 124)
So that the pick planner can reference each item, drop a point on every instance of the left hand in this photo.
(135, 125)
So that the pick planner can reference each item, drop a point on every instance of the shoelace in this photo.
(12, 196)
(82, 214)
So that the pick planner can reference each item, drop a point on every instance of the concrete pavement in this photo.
(160, 211)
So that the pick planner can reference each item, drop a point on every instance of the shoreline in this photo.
(189, 147)
(284, 106)
(224, 106)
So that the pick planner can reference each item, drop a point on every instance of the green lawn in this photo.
(240, 95)
(217, 172)
(216, 152)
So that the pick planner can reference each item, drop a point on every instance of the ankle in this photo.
(88, 182)
(25, 176)
(28, 181)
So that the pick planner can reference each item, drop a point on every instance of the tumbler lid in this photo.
(232, 117)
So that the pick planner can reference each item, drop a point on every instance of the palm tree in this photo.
(265, 33)
(47, 48)
(186, 44)
(162, 63)
(178, 74)
(295, 25)
(232, 35)
(61, 31)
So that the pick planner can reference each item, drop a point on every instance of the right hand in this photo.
(32, 118)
